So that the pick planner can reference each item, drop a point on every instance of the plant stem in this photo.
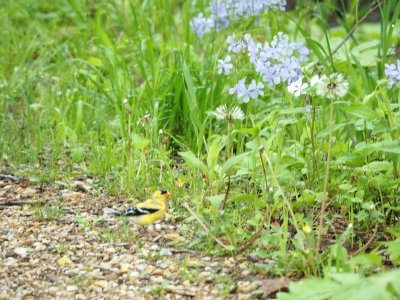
(284, 199)
(322, 212)
(228, 155)
(313, 148)
(241, 249)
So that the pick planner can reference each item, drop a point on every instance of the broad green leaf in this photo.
(254, 131)
(241, 197)
(233, 161)
(193, 161)
(391, 147)
(345, 186)
(393, 249)
(213, 152)
(139, 142)
(360, 111)
(377, 166)
(216, 200)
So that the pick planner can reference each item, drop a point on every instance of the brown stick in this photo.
(255, 236)
(204, 226)
(367, 244)
(16, 202)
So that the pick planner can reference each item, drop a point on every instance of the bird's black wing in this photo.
(135, 211)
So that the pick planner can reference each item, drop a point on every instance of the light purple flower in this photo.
(393, 72)
(234, 46)
(278, 61)
(201, 25)
(252, 91)
(225, 65)
(223, 12)
(255, 89)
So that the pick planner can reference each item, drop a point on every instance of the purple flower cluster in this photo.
(275, 62)
(278, 61)
(252, 91)
(393, 72)
(223, 12)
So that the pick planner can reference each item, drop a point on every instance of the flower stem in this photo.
(323, 205)
(228, 154)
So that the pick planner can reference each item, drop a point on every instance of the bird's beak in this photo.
(168, 194)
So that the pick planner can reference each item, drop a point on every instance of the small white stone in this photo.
(141, 268)
(154, 247)
(20, 251)
(165, 252)
(72, 288)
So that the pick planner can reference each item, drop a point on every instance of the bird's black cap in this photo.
(163, 192)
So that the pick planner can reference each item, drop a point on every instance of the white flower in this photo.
(332, 86)
(225, 65)
(297, 88)
(234, 113)
(125, 101)
(314, 80)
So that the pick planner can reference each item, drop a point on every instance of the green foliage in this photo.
(347, 285)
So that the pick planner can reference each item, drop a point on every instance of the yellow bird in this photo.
(147, 212)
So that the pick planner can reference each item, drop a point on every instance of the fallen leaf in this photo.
(64, 260)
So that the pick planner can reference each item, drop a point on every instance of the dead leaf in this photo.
(64, 260)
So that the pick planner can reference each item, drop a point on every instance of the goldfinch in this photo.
(147, 212)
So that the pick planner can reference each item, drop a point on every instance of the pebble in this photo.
(20, 251)
(72, 288)
(165, 252)
(134, 274)
(141, 268)
(204, 274)
(154, 247)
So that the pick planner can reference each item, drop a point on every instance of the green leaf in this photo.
(393, 249)
(254, 131)
(391, 147)
(345, 186)
(377, 166)
(216, 200)
(140, 142)
(192, 161)
(212, 157)
(346, 286)
(241, 197)
(233, 161)
(361, 112)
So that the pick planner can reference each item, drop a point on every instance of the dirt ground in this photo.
(60, 244)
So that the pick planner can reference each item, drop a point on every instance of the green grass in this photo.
(67, 66)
